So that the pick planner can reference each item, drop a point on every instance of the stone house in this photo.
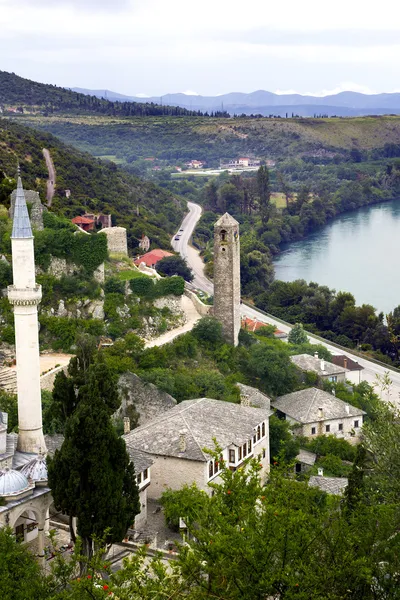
(305, 460)
(150, 259)
(324, 369)
(354, 369)
(142, 464)
(315, 412)
(177, 442)
(331, 485)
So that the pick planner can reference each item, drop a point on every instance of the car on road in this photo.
(177, 237)
(181, 230)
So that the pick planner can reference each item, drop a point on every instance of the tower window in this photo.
(223, 235)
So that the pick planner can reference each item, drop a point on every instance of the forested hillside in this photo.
(173, 140)
(94, 185)
(19, 94)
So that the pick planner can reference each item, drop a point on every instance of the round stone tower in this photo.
(25, 296)
(227, 277)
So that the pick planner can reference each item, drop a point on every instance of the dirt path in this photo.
(192, 317)
(51, 182)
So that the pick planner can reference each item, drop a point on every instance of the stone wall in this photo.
(173, 303)
(36, 213)
(117, 241)
(202, 309)
(144, 398)
(170, 472)
(47, 380)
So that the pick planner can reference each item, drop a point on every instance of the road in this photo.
(200, 281)
(51, 182)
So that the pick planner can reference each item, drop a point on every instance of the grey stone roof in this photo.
(21, 223)
(303, 406)
(306, 457)
(226, 220)
(53, 442)
(305, 362)
(330, 485)
(256, 398)
(141, 460)
(200, 421)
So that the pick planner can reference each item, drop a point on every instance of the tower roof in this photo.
(21, 222)
(226, 221)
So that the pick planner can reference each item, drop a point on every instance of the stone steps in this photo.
(8, 380)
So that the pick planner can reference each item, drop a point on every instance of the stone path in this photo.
(192, 316)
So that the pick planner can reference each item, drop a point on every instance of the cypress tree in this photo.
(264, 193)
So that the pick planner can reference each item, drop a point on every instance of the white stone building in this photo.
(177, 442)
(323, 368)
(316, 412)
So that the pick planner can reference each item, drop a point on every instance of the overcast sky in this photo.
(152, 47)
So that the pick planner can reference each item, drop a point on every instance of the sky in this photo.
(154, 47)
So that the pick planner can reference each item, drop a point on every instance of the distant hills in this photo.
(266, 103)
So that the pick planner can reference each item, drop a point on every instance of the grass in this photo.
(131, 274)
(278, 199)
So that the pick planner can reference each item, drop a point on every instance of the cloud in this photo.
(347, 86)
(82, 5)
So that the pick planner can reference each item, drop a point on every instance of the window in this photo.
(258, 432)
(313, 430)
(244, 450)
(223, 235)
(340, 426)
(211, 469)
(145, 474)
(249, 446)
(139, 478)
(263, 429)
(327, 428)
(254, 438)
(232, 457)
(356, 424)
(240, 453)
(263, 453)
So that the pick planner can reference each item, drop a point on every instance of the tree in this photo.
(208, 330)
(297, 335)
(91, 476)
(174, 265)
(269, 367)
(20, 575)
(211, 196)
(264, 193)
(230, 198)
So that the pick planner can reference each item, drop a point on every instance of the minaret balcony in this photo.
(24, 296)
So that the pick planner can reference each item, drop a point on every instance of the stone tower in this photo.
(25, 296)
(227, 277)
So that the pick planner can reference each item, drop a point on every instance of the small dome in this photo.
(12, 482)
(36, 469)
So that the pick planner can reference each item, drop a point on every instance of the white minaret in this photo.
(25, 296)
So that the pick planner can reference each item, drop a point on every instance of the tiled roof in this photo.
(141, 460)
(304, 405)
(153, 257)
(306, 362)
(21, 223)
(256, 398)
(199, 421)
(330, 485)
(342, 360)
(306, 457)
(83, 220)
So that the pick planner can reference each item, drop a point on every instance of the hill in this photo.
(94, 185)
(265, 103)
(19, 95)
(178, 139)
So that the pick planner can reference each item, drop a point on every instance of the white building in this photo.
(177, 442)
(316, 412)
(323, 368)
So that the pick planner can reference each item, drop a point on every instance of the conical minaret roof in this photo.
(226, 221)
(21, 222)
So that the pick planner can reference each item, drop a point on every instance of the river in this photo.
(357, 252)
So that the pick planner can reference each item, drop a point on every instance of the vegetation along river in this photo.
(357, 252)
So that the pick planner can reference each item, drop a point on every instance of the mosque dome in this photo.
(12, 483)
(36, 469)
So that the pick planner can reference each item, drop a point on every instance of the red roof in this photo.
(82, 221)
(252, 325)
(152, 258)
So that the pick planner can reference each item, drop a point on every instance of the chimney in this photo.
(322, 364)
(182, 441)
(127, 425)
(345, 362)
(347, 408)
(244, 400)
(316, 355)
(320, 472)
(320, 413)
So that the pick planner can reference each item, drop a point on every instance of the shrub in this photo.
(142, 286)
(175, 265)
(174, 286)
(208, 330)
(113, 285)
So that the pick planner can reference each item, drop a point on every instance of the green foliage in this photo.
(174, 286)
(20, 574)
(297, 336)
(175, 265)
(63, 330)
(332, 466)
(268, 367)
(208, 330)
(283, 445)
(114, 285)
(143, 286)
(324, 445)
(5, 274)
(9, 405)
(186, 503)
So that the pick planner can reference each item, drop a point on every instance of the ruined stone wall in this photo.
(202, 309)
(117, 241)
(47, 380)
(36, 212)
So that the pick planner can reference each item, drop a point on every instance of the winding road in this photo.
(51, 182)
(200, 281)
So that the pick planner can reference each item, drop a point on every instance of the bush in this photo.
(208, 330)
(143, 287)
(174, 286)
(5, 274)
(174, 265)
(325, 445)
(113, 285)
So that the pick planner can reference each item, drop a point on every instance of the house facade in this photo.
(315, 412)
(323, 368)
(177, 442)
(354, 369)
